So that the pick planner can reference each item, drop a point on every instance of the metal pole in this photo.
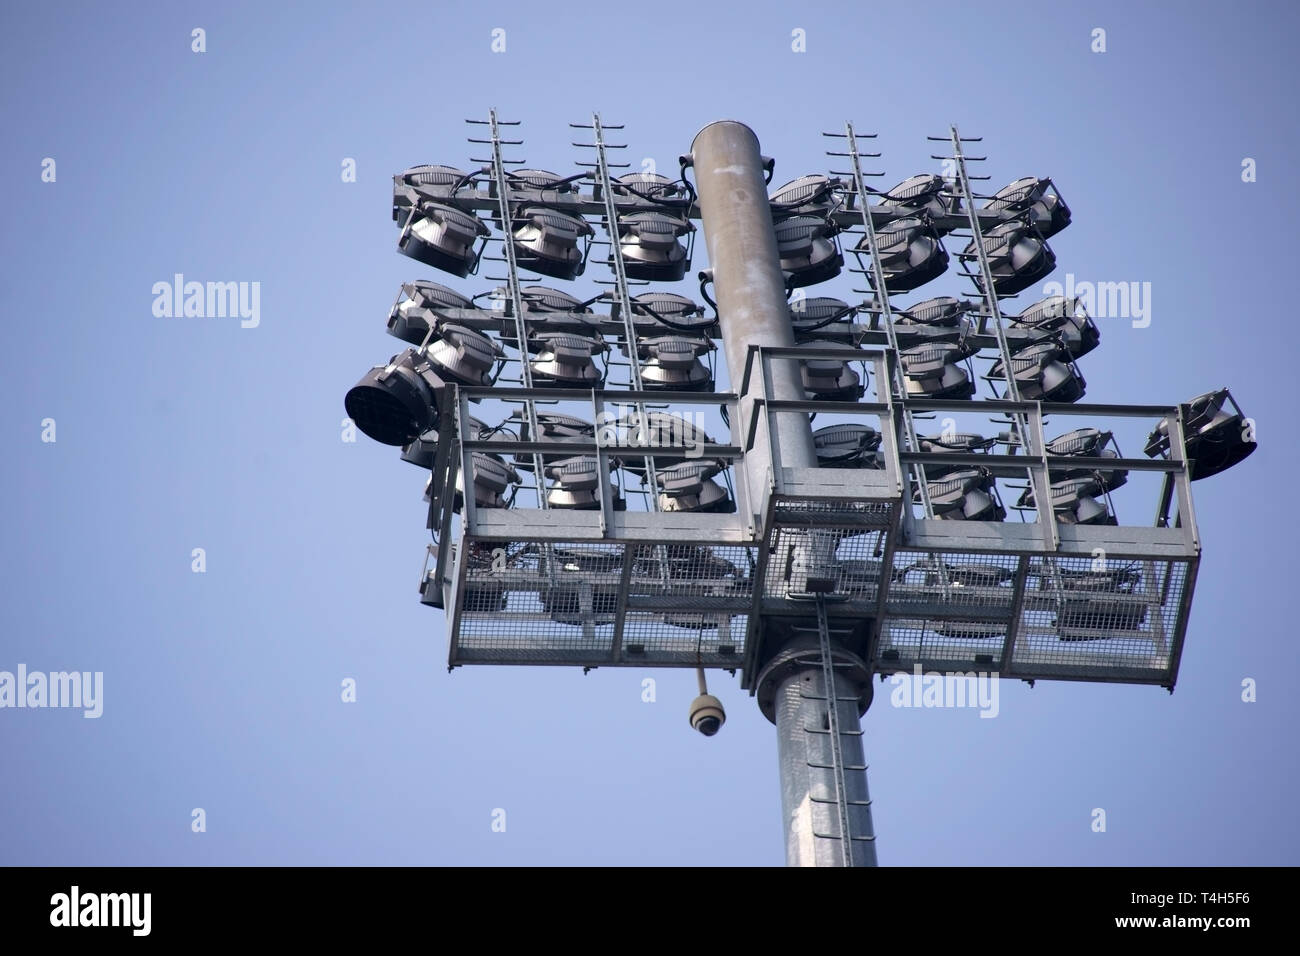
(819, 798)
(750, 290)
(823, 780)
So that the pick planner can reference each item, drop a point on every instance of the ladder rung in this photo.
(836, 836)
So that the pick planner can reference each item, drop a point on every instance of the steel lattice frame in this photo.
(650, 588)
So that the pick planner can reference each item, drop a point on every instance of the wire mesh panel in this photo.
(589, 603)
(1102, 620)
(1063, 617)
(948, 611)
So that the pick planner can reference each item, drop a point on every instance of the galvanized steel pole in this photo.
(823, 778)
(748, 284)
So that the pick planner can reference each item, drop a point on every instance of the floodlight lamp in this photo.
(547, 241)
(858, 575)
(564, 360)
(650, 190)
(538, 185)
(847, 446)
(933, 574)
(493, 477)
(684, 562)
(540, 298)
(1063, 320)
(1087, 443)
(484, 593)
(966, 495)
(651, 246)
(554, 426)
(1043, 373)
(415, 312)
(911, 254)
(808, 249)
(689, 486)
(550, 310)
(1217, 434)
(815, 195)
(943, 310)
(551, 427)
(420, 183)
(665, 437)
(1095, 605)
(422, 450)
(829, 379)
(1037, 199)
(1017, 257)
(442, 237)
(924, 193)
(673, 362)
(1075, 501)
(395, 403)
(933, 370)
(952, 443)
(464, 355)
(576, 484)
(942, 319)
(590, 591)
(657, 312)
(819, 314)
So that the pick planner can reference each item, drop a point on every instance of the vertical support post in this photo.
(748, 283)
(824, 798)
(816, 772)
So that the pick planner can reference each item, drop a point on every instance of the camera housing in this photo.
(707, 715)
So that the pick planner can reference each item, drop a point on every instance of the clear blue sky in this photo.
(222, 688)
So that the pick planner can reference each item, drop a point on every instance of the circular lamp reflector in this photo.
(420, 183)
(966, 495)
(847, 446)
(1042, 375)
(395, 403)
(924, 193)
(911, 254)
(814, 195)
(1017, 257)
(1218, 435)
(1036, 198)
(650, 242)
(808, 249)
(547, 241)
(443, 237)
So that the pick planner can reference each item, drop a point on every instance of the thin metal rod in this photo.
(887, 314)
(624, 298)
(986, 271)
(516, 302)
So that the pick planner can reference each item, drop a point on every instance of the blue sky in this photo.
(221, 689)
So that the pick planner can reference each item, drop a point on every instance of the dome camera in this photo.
(707, 715)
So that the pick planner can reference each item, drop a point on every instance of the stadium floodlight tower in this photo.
(583, 516)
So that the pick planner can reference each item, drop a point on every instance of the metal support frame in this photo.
(813, 682)
(506, 218)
